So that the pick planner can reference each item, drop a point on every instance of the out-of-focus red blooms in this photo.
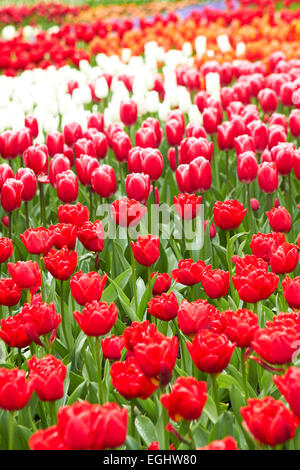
(96, 121)
(26, 274)
(9, 144)
(164, 306)
(130, 381)
(152, 163)
(229, 214)
(104, 181)
(36, 158)
(225, 136)
(15, 389)
(200, 100)
(255, 284)
(100, 144)
(32, 124)
(61, 263)
(210, 352)
(269, 421)
(154, 124)
(212, 228)
(127, 212)
(84, 147)
(254, 204)
(55, 143)
(128, 112)
(121, 144)
(28, 178)
(187, 205)
(241, 326)
(10, 293)
(277, 343)
(69, 153)
(174, 131)
(284, 259)
(24, 139)
(195, 316)
(5, 173)
(294, 122)
(84, 426)
(211, 119)
(259, 132)
(58, 164)
(186, 399)
(146, 249)
(146, 138)
(215, 283)
(85, 166)
(276, 135)
(194, 129)
(63, 235)
(172, 158)
(72, 132)
(297, 164)
(286, 93)
(37, 240)
(91, 235)
(75, 214)
(183, 178)
(47, 377)
(279, 119)
(291, 291)
(87, 287)
(199, 174)
(228, 443)
(11, 194)
(67, 186)
(267, 177)
(279, 219)
(193, 147)
(283, 156)
(138, 186)
(112, 347)
(247, 167)
(289, 386)
(189, 272)
(244, 143)
(268, 100)
(162, 283)
(156, 356)
(6, 249)
(97, 318)
(266, 156)
(264, 244)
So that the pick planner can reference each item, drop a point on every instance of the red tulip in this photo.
(58, 164)
(289, 387)
(128, 379)
(28, 178)
(37, 240)
(195, 316)
(6, 249)
(138, 186)
(215, 283)
(112, 347)
(15, 390)
(11, 194)
(189, 272)
(187, 206)
(269, 421)
(10, 293)
(164, 306)
(186, 399)
(146, 249)
(228, 214)
(128, 112)
(104, 181)
(128, 212)
(26, 274)
(279, 219)
(291, 291)
(67, 186)
(61, 263)
(75, 214)
(47, 377)
(87, 287)
(55, 143)
(72, 132)
(241, 327)
(97, 318)
(36, 158)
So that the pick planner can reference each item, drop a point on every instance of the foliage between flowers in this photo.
(146, 342)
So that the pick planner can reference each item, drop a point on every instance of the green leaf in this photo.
(146, 429)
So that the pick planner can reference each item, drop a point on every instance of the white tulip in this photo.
(200, 45)
(195, 115)
(101, 88)
(152, 101)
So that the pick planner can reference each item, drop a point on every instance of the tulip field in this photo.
(150, 225)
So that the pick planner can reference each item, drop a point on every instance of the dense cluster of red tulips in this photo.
(139, 339)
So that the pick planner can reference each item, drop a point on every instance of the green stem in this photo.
(26, 214)
(99, 367)
(133, 274)
(53, 415)
(249, 210)
(10, 225)
(229, 260)
(165, 417)
(63, 316)
(227, 165)
(91, 205)
(244, 372)
(149, 281)
(122, 182)
(42, 204)
(41, 270)
(11, 431)
(215, 392)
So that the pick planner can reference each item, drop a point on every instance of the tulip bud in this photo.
(72, 132)
(67, 186)
(267, 177)
(58, 164)
(36, 158)
(85, 165)
(138, 186)
(200, 174)
(11, 194)
(247, 167)
(55, 143)
(104, 181)
(32, 124)
(268, 100)
(128, 112)
(28, 178)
